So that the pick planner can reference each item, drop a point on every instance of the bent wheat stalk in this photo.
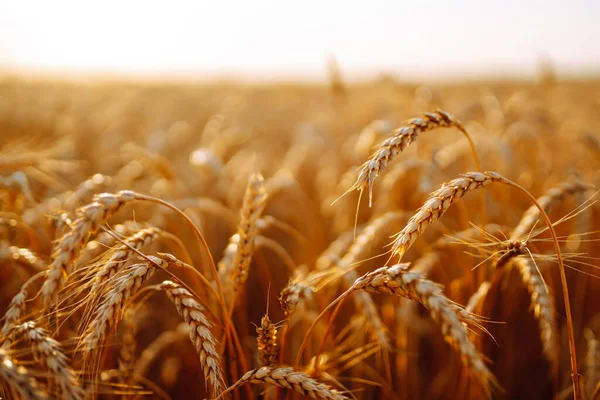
(438, 203)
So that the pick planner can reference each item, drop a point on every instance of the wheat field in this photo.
(378, 240)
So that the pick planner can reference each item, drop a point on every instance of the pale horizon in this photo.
(268, 40)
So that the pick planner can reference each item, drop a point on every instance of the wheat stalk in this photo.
(366, 306)
(164, 340)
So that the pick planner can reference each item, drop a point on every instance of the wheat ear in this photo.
(192, 313)
(254, 203)
(592, 362)
(542, 303)
(478, 297)
(128, 346)
(437, 204)
(547, 201)
(50, 353)
(20, 379)
(333, 253)
(22, 255)
(68, 200)
(290, 295)
(266, 341)
(401, 138)
(359, 249)
(288, 378)
(88, 221)
(399, 281)
(13, 314)
(110, 310)
(119, 256)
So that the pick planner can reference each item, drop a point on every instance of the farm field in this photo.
(377, 240)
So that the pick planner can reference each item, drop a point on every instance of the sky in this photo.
(263, 39)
